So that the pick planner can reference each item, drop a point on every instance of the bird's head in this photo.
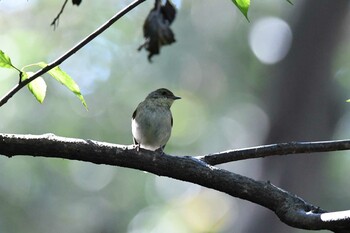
(162, 96)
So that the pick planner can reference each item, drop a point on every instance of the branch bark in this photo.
(275, 149)
(291, 209)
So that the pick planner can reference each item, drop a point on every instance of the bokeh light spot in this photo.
(270, 39)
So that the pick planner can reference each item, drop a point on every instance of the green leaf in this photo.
(243, 6)
(5, 60)
(348, 100)
(37, 87)
(65, 80)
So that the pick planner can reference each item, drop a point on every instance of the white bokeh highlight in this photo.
(270, 39)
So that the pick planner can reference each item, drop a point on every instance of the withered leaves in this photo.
(156, 28)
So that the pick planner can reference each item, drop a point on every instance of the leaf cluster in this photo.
(38, 86)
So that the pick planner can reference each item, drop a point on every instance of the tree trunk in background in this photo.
(303, 105)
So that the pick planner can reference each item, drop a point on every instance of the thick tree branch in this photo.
(291, 209)
(69, 53)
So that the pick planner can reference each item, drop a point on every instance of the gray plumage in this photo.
(152, 120)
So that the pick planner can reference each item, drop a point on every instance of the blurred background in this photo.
(282, 77)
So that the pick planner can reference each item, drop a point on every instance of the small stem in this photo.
(20, 77)
(57, 18)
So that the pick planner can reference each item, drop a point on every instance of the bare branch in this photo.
(69, 53)
(275, 149)
(57, 18)
(291, 209)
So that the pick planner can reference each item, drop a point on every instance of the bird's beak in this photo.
(176, 97)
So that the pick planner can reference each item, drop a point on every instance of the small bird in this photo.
(152, 120)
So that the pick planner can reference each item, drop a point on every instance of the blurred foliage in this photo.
(212, 67)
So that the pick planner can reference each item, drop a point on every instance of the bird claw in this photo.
(137, 147)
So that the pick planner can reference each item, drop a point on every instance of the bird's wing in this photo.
(134, 114)
(171, 120)
(133, 117)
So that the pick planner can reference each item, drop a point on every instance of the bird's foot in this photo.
(137, 147)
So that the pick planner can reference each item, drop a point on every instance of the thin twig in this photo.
(69, 53)
(275, 149)
(56, 20)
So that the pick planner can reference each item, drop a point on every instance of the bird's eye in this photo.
(164, 93)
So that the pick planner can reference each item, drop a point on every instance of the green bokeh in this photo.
(212, 68)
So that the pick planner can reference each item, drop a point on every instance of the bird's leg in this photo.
(136, 145)
(161, 150)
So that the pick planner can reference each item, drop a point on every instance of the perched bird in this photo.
(152, 120)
